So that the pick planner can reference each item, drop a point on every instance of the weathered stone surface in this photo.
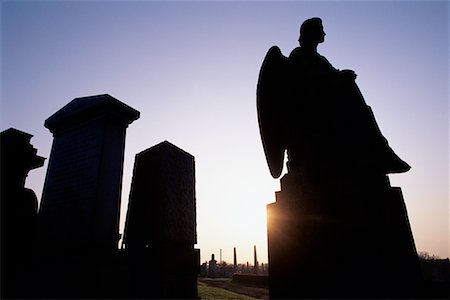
(81, 196)
(160, 231)
(162, 197)
(79, 213)
(335, 241)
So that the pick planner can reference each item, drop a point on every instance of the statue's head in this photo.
(311, 32)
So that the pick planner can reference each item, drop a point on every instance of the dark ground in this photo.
(228, 284)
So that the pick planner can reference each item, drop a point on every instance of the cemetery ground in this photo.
(226, 288)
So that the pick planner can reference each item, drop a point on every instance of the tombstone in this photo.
(79, 213)
(212, 267)
(160, 230)
(204, 269)
(18, 211)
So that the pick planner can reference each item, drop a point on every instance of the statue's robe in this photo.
(331, 130)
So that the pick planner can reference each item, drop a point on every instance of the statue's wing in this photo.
(271, 95)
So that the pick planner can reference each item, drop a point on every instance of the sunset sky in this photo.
(191, 68)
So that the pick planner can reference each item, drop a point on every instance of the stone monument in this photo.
(212, 267)
(79, 212)
(255, 261)
(160, 230)
(18, 211)
(337, 228)
(235, 266)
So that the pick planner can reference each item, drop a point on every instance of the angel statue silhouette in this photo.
(318, 115)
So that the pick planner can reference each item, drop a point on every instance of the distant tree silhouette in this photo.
(426, 256)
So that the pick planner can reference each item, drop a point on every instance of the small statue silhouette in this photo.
(317, 113)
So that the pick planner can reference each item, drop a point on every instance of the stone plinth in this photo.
(341, 241)
(160, 230)
(81, 196)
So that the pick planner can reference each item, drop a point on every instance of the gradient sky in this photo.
(191, 69)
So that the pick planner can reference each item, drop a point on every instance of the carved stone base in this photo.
(345, 240)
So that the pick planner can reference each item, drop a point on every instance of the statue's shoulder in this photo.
(274, 58)
(274, 69)
(296, 52)
(298, 56)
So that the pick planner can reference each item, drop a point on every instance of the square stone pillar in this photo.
(81, 197)
(160, 231)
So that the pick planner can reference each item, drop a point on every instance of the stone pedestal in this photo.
(160, 230)
(341, 240)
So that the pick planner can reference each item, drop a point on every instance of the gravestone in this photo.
(81, 196)
(79, 213)
(18, 211)
(160, 230)
(212, 267)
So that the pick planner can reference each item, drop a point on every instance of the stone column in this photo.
(79, 212)
(255, 261)
(234, 260)
(81, 196)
